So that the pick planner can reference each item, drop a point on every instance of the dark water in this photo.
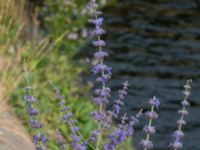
(156, 47)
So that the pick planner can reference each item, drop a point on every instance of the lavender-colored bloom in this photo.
(177, 145)
(67, 116)
(154, 101)
(124, 131)
(178, 134)
(134, 120)
(98, 31)
(183, 112)
(104, 92)
(35, 124)
(185, 103)
(64, 109)
(151, 115)
(101, 68)
(102, 95)
(97, 22)
(111, 113)
(30, 99)
(94, 135)
(149, 129)
(146, 144)
(181, 122)
(98, 116)
(40, 148)
(32, 111)
(59, 97)
(100, 55)
(103, 78)
(39, 139)
(119, 102)
(99, 43)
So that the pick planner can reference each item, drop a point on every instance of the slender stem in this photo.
(187, 89)
(150, 123)
(101, 105)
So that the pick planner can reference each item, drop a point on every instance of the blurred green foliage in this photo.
(47, 59)
(67, 18)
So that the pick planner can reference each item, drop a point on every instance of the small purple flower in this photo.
(149, 129)
(183, 112)
(185, 103)
(40, 148)
(146, 144)
(59, 97)
(101, 68)
(181, 122)
(151, 115)
(67, 116)
(155, 102)
(98, 116)
(101, 55)
(99, 43)
(98, 32)
(176, 145)
(39, 138)
(178, 134)
(35, 124)
(94, 135)
(30, 99)
(134, 120)
(97, 22)
(104, 92)
(32, 111)
(103, 78)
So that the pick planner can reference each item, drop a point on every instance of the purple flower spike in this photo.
(178, 134)
(149, 129)
(67, 118)
(123, 131)
(39, 139)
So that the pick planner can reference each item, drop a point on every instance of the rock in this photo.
(13, 135)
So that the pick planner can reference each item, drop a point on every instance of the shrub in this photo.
(104, 135)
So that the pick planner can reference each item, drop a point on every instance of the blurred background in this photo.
(154, 44)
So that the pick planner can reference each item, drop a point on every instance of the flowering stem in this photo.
(101, 105)
(150, 123)
(187, 93)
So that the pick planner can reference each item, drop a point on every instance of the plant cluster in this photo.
(116, 135)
